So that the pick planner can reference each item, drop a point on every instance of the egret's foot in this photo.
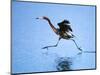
(80, 53)
(80, 49)
(45, 48)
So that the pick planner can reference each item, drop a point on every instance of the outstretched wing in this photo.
(64, 26)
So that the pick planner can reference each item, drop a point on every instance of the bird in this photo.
(64, 31)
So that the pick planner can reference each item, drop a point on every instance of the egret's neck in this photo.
(51, 25)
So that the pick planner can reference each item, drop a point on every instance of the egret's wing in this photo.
(64, 26)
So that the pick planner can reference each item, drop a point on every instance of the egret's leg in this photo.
(46, 47)
(76, 45)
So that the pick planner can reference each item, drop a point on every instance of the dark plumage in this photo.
(64, 26)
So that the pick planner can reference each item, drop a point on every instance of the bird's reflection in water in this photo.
(66, 63)
(63, 63)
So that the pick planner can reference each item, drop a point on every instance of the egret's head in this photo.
(42, 17)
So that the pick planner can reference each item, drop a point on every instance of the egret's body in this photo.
(64, 31)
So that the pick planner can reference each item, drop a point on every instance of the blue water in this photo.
(30, 35)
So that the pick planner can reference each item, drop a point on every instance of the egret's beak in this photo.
(39, 18)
